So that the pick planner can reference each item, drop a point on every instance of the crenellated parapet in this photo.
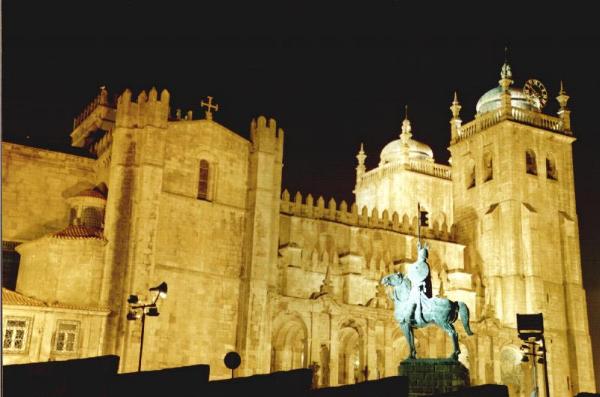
(96, 120)
(146, 110)
(266, 136)
(307, 208)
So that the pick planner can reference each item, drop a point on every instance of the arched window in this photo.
(203, 180)
(530, 162)
(551, 172)
(488, 167)
(470, 176)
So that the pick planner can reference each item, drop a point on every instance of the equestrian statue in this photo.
(414, 307)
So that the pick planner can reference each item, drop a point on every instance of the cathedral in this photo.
(291, 280)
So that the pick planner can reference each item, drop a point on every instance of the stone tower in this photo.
(514, 207)
(258, 273)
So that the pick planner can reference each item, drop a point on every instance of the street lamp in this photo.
(531, 331)
(141, 310)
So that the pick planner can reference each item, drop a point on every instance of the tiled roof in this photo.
(91, 193)
(79, 232)
(10, 297)
(14, 298)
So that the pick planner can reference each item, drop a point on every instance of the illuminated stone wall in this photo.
(35, 186)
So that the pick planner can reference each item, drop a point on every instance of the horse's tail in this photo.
(463, 312)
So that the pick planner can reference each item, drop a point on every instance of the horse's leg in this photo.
(449, 328)
(407, 330)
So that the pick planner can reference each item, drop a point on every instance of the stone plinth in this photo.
(433, 376)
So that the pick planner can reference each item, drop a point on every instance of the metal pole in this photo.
(535, 392)
(545, 367)
(142, 339)
(419, 222)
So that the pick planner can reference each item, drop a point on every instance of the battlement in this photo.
(266, 136)
(93, 122)
(352, 216)
(147, 110)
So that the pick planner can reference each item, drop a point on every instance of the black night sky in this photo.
(332, 78)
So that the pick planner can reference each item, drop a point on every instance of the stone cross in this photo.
(209, 107)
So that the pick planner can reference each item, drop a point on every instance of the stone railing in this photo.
(536, 119)
(423, 167)
(430, 168)
(351, 216)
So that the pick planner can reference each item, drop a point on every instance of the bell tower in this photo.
(514, 207)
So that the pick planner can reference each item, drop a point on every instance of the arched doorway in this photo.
(351, 360)
(289, 344)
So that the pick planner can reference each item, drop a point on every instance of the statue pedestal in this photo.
(433, 376)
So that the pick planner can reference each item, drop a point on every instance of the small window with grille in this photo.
(16, 331)
(66, 337)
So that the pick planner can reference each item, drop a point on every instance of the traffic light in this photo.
(423, 218)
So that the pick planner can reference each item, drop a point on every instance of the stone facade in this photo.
(293, 282)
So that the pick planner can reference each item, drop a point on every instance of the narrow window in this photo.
(551, 172)
(15, 335)
(203, 180)
(66, 337)
(530, 162)
(488, 167)
(470, 176)
(72, 216)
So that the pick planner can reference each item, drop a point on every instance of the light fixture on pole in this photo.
(531, 331)
(139, 310)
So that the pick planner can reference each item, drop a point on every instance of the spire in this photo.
(360, 168)
(505, 72)
(455, 108)
(406, 128)
(563, 112)
(455, 122)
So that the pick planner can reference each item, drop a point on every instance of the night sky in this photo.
(332, 78)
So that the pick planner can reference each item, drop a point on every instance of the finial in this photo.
(505, 71)
(406, 128)
(455, 108)
(562, 98)
(209, 107)
(361, 156)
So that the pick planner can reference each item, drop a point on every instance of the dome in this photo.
(491, 100)
(393, 151)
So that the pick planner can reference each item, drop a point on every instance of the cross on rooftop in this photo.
(209, 107)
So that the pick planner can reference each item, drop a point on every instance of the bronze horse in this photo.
(439, 311)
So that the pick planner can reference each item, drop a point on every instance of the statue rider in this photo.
(420, 279)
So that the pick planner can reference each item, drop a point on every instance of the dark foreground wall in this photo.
(478, 391)
(394, 386)
(178, 382)
(294, 383)
(81, 377)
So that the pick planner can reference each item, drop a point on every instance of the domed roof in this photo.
(491, 100)
(393, 151)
